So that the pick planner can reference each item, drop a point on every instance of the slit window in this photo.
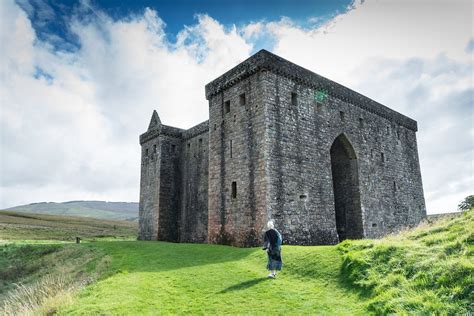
(154, 149)
(200, 142)
(230, 148)
(234, 190)
(382, 157)
(226, 107)
(294, 99)
(242, 100)
(215, 127)
(189, 145)
(341, 114)
(173, 149)
(146, 152)
(361, 122)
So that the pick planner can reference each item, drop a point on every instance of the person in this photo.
(272, 244)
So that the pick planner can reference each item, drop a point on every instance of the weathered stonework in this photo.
(282, 143)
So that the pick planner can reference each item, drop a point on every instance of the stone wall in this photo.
(282, 143)
(194, 184)
(237, 132)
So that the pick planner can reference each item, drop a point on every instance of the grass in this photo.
(429, 270)
(426, 271)
(24, 226)
(166, 278)
(38, 278)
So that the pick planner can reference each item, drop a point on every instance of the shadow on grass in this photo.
(157, 256)
(243, 285)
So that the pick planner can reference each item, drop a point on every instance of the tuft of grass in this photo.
(428, 270)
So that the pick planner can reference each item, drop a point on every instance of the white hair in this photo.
(270, 224)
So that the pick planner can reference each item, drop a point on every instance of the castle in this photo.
(283, 143)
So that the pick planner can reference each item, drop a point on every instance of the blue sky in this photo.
(79, 81)
(53, 17)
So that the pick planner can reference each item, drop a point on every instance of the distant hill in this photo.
(97, 209)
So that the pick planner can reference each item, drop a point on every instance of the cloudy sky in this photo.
(79, 81)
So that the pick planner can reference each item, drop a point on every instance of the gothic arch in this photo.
(345, 180)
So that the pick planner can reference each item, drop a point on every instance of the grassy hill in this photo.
(25, 226)
(95, 209)
(428, 270)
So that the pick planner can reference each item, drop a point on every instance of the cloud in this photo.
(70, 118)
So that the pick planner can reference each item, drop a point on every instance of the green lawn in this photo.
(164, 278)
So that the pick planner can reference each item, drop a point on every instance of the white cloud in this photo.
(74, 135)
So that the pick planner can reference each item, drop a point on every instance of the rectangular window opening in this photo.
(230, 147)
(234, 190)
(382, 157)
(146, 152)
(341, 114)
(226, 107)
(361, 122)
(200, 142)
(294, 99)
(154, 149)
(242, 100)
(173, 148)
(189, 145)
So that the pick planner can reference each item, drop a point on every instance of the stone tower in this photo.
(282, 143)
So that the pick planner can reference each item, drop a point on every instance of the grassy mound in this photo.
(429, 270)
(166, 278)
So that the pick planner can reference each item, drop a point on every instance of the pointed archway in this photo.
(345, 179)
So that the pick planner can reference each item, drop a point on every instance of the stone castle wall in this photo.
(282, 143)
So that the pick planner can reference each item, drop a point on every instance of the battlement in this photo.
(264, 60)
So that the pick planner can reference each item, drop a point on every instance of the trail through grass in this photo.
(157, 277)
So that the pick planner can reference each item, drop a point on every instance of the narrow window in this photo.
(146, 152)
(154, 149)
(382, 157)
(242, 100)
(189, 145)
(398, 134)
(230, 146)
(173, 148)
(215, 127)
(361, 122)
(200, 142)
(341, 114)
(235, 118)
(319, 106)
(388, 130)
(234, 190)
(374, 225)
(227, 107)
(394, 186)
(294, 99)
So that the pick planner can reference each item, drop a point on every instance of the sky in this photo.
(80, 79)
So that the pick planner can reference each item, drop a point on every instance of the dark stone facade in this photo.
(282, 143)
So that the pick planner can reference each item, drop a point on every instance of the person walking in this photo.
(272, 244)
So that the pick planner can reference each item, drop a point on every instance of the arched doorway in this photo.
(345, 180)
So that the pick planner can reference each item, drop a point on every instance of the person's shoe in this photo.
(271, 276)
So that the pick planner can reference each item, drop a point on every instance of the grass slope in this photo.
(429, 270)
(23, 226)
(38, 278)
(96, 209)
(157, 277)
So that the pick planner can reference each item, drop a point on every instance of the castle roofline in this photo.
(264, 60)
